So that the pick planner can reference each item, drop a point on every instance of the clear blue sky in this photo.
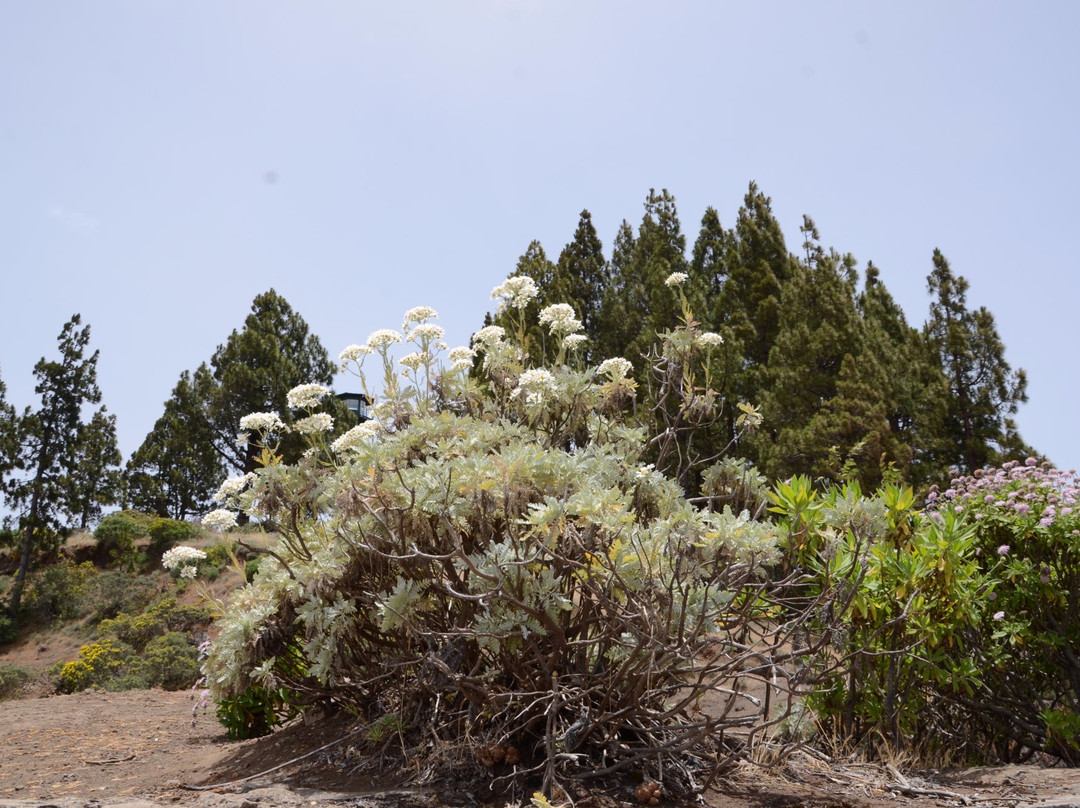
(161, 163)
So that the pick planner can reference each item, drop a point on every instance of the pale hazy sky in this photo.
(161, 163)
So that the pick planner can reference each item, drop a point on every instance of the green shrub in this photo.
(8, 537)
(12, 680)
(9, 627)
(117, 533)
(170, 662)
(251, 569)
(138, 630)
(166, 533)
(114, 591)
(59, 591)
(254, 712)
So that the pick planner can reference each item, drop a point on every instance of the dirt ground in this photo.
(143, 748)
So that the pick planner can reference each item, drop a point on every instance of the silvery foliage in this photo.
(494, 560)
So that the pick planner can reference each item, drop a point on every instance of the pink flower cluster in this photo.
(1030, 490)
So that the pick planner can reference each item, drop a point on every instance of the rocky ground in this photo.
(152, 748)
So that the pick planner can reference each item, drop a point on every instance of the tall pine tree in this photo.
(50, 452)
(916, 392)
(254, 370)
(580, 278)
(984, 390)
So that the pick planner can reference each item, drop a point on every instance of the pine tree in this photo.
(580, 278)
(984, 390)
(760, 266)
(176, 470)
(8, 438)
(95, 478)
(254, 370)
(915, 389)
(659, 251)
(709, 267)
(49, 450)
(534, 264)
(817, 332)
(618, 326)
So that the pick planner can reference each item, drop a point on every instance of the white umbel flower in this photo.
(306, 396)
(219, 520)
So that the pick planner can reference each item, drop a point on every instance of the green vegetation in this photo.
(12, 680)
(655, 485)
(62, 468)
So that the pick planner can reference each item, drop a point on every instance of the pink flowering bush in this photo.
(1027, 645)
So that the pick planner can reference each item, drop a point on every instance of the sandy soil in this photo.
(144, 747)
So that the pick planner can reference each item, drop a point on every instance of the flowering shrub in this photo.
(1026, 521)
(492, 563)
(98, 663)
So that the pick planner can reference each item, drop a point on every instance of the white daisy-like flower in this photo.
(262, 422)
(616, 368)
(516, 292)
(710, 339)
(306, 396)
(676, 279)
(314, 424)
(644, 471)
(488, 336)
(560, 319)
(383, 338)
(356, 437)
(461, 357)
(219, 520)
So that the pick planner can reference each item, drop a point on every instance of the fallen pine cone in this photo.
(648, 793)
(491, 755)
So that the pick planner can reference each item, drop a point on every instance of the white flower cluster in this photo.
(461, 357)
(353, 353)
(356, 437)
(262, 422)
(183, 559)
(560, 319)
(616, 368)
(573, 342)
(383, 338)
(314, 424)
(488, 336)
(535, 383)
(232, 487)
(676, 279)
(219, 520)
(418, 314)
(429, 332)
(516, 292)
(415, 360)
(709, 339)
(306, 396)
